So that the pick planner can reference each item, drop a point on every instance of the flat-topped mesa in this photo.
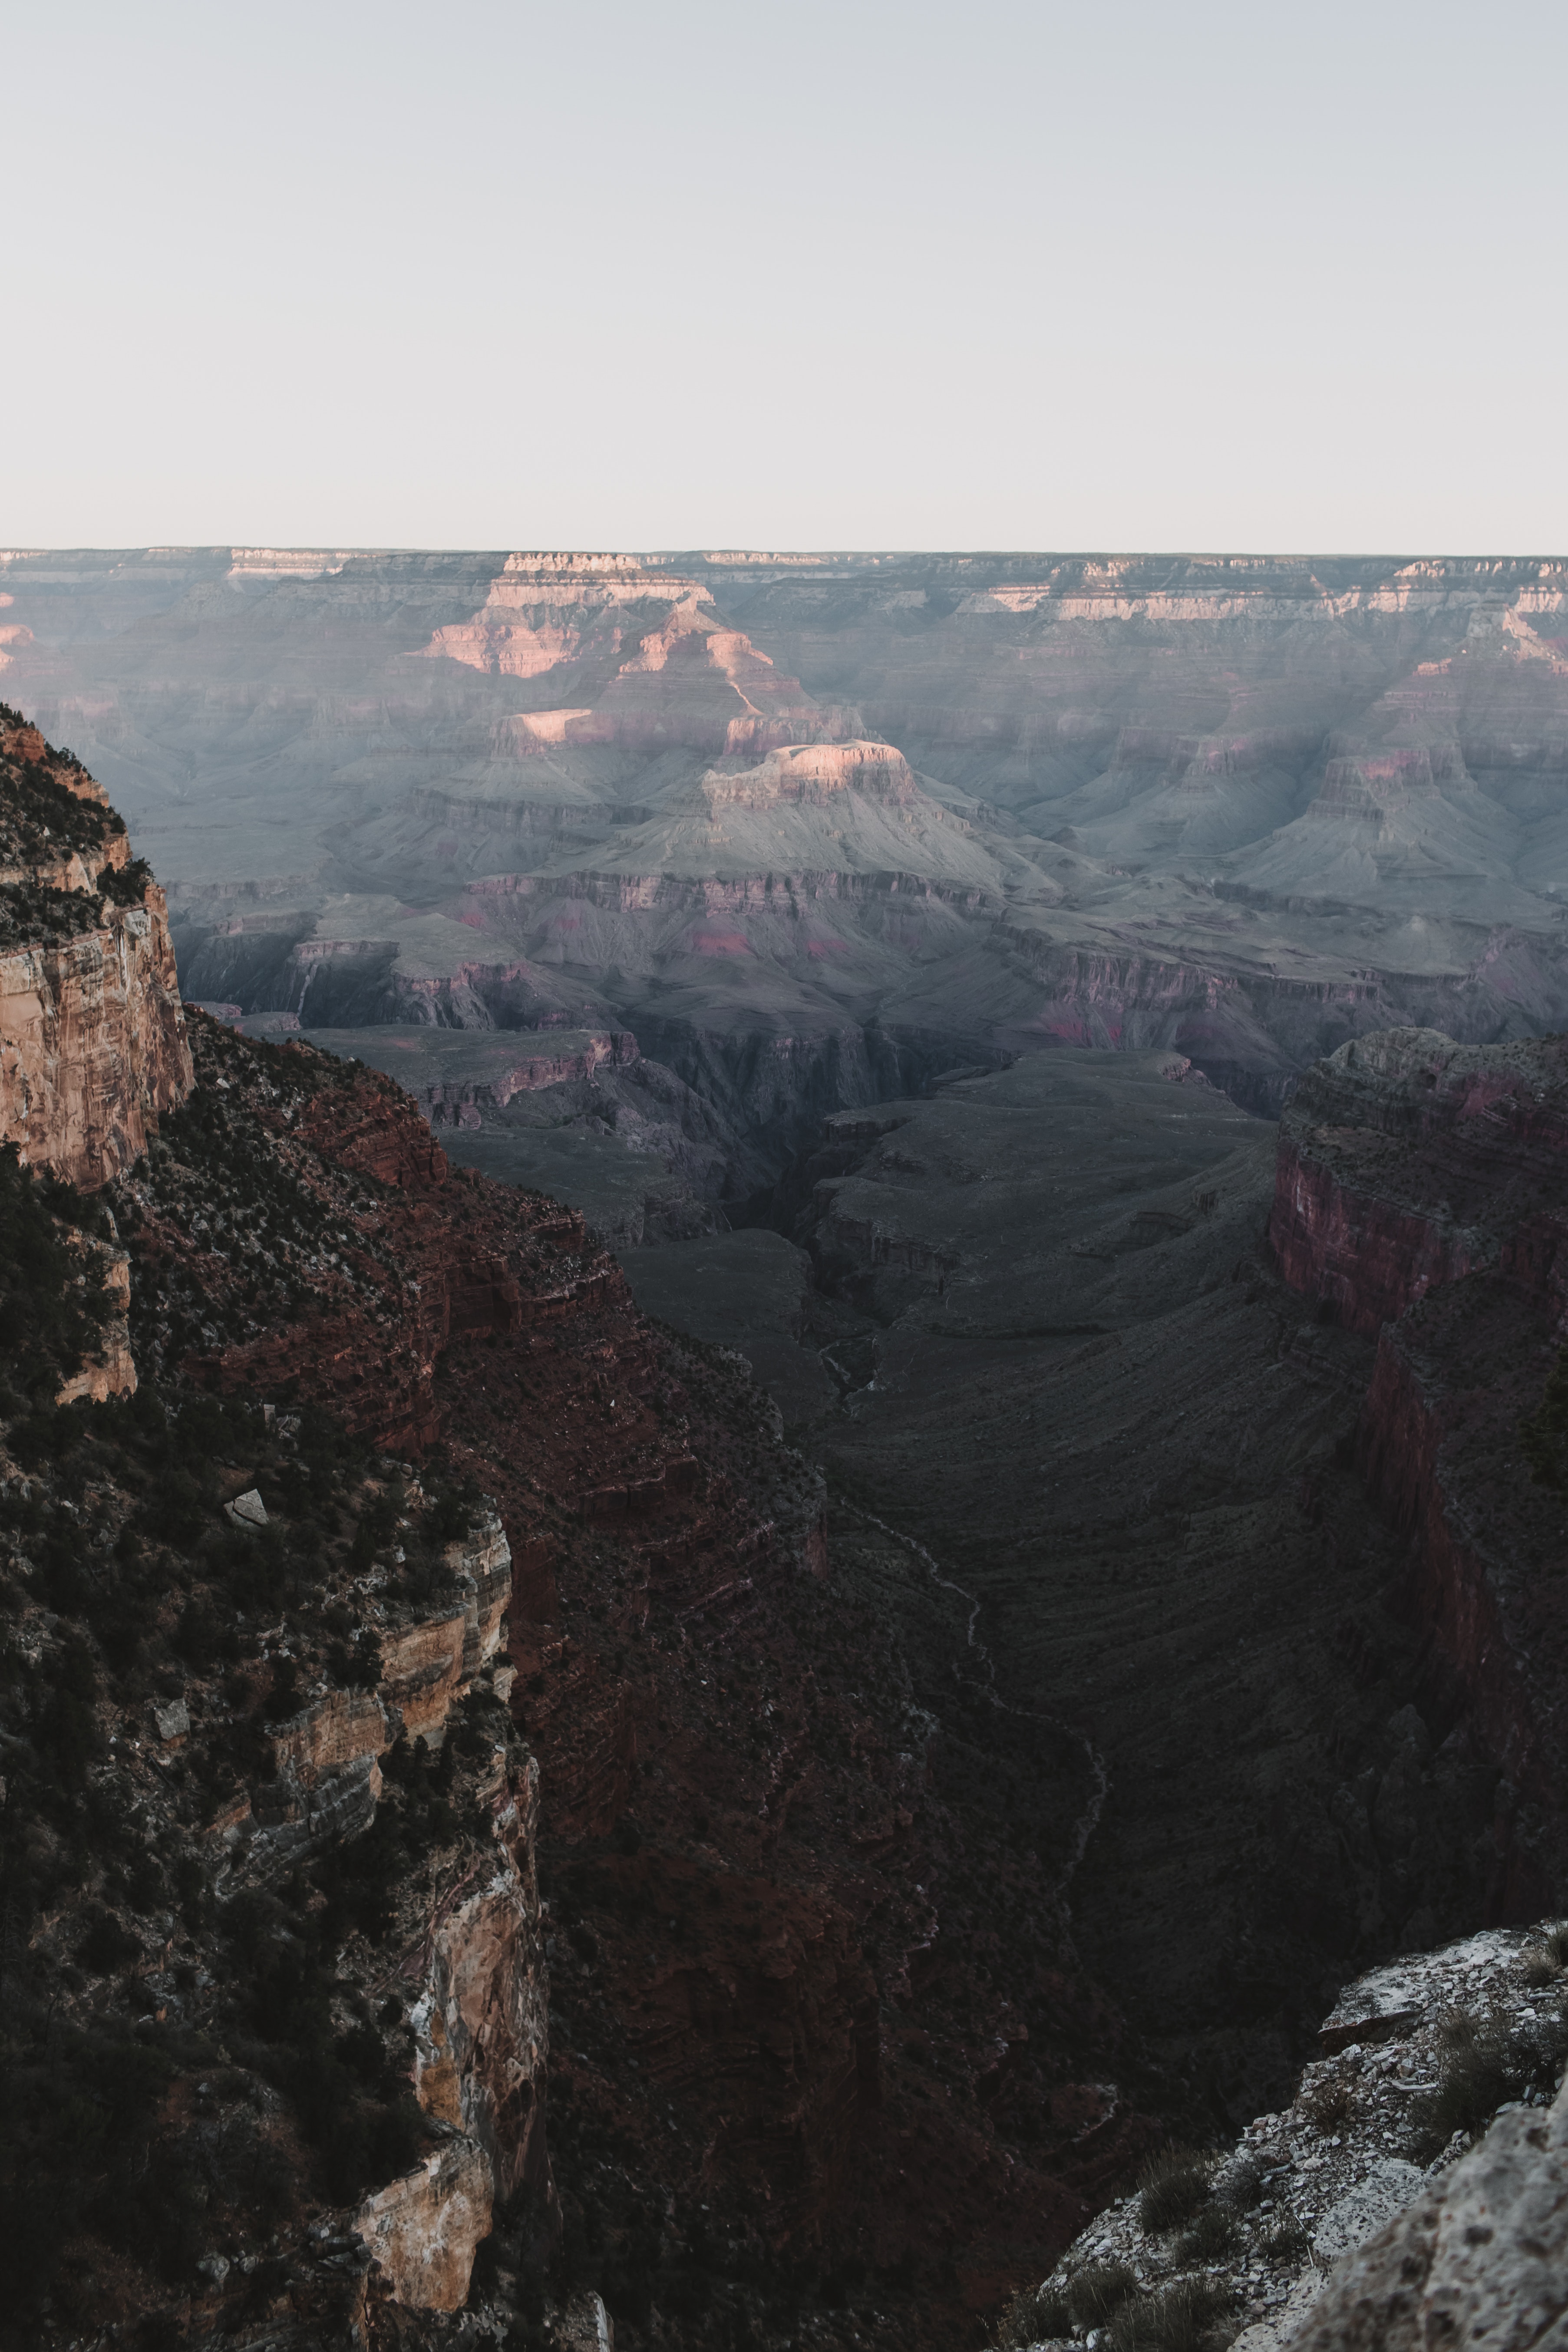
(92, 1046)
(1407, 1161)
(656, 662)
(814, 772)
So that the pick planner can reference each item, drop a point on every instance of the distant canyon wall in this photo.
(1240, 808)
(1418, 1199)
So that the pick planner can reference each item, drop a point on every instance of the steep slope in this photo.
(752, 1829)
(295, 1965)
(275, 2032)
(1419, 1199)
(1377, 2208)
(1066, 1366)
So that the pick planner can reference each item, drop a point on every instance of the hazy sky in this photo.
(675, 274)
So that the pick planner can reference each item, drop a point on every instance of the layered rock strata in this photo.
(92, 1048)
(714, 1752)
(325, 1778)
(1417, 1199)
(479, 2017)
(1241, 808)
(371, 1944)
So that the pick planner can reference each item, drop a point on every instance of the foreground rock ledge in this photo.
(1341, 2236)
(1480, 2258)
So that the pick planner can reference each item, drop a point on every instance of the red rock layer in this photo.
(734, 1802)
(1418, 1200)
(636, 659)
(1405, 1161)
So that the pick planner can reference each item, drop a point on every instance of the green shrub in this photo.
(1100, 2289)
(48, 1324)
(1173, 2185)
(1327, 2102)
(1287, 2242)
(1241, 2185)
(127, 886)
(1543, 1437)
(1543, 1962)
(1212, 2235)
(1035, 2315)
(1485, 2063)
(106, 1944)
(1181, 2318)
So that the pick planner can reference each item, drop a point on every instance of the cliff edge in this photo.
(92, 1045)
(1415, 2192)
(1418, 1199)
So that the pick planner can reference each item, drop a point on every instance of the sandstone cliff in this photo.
(92, 1048)
(298, 1962)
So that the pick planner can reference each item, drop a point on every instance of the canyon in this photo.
(814, 828)
(1077, 1035)
(396, 1984)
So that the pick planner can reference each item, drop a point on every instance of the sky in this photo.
(1107, 276)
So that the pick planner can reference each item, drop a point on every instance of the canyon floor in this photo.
(1039, 1334)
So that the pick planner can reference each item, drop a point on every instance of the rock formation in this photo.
(1242, 809)
(1418, 1200)
(91, 1041)
(276, 1800)
(493, 1722)
(1384, 2208)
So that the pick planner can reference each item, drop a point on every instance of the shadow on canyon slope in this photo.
(1062, 1362)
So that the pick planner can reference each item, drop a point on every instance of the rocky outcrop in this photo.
(676, 674)
(371, 1944)
(110, 1369)
(423, 2229)
(814, 772)
(1408, 1161)
(93, 1049)
(1480, 2258)
(479, 2019)
(325, 1779)
(1377, 2210)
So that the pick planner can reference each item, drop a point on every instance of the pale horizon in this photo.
(883, 278)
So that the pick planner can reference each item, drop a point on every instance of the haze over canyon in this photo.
(800, 824)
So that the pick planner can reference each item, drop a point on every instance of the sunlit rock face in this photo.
(1241, 808)
(92, 1045)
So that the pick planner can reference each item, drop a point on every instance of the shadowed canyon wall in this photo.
(1418, 1198)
